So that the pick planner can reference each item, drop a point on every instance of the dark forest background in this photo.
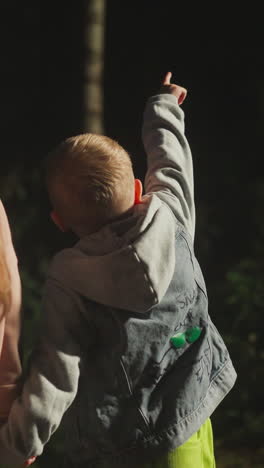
(42, 82)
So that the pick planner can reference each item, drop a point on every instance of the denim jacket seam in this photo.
(146, 275)
(144, 417)
(182, 234)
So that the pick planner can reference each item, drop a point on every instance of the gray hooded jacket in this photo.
(128, 355)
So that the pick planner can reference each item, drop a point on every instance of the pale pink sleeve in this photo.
(10, 323)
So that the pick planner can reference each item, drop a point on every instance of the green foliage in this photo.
(242, 299)
(242, 458)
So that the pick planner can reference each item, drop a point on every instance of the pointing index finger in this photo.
(167, 78)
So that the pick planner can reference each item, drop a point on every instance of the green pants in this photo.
(198, 452)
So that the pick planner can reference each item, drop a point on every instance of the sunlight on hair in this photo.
(90, 180)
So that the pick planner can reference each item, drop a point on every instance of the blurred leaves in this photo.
(241, 295)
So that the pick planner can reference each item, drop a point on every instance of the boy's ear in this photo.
(138, 191)
(57, 220)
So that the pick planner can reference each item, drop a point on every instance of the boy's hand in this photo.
(170, 88)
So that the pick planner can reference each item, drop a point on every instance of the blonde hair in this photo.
(4, 280)
(90, 180)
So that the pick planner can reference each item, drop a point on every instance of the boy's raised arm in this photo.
(170, 168)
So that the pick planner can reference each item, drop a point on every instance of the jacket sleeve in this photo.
(51, 384)
(170, 168)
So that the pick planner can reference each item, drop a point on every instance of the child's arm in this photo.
(52, 381)
(170, 169)
(10, 366)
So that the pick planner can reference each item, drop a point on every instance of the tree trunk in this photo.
(94, 63)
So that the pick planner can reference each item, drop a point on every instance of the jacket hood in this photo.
(128, 264)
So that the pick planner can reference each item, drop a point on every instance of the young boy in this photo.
(128, 355)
